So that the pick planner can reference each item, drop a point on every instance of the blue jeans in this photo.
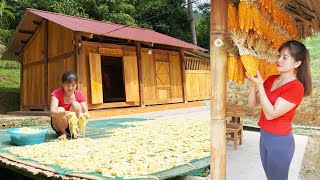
(276, 153)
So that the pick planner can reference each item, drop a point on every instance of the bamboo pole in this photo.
(218, 58)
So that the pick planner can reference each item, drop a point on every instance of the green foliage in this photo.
(5, 36)
(169, 17)
(203, 26)
(312, 44)
(116, 11)
(9, 86)
(5, 11)
(9, 75)
(72, 8)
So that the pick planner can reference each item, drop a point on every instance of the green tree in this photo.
(165, 16)
(203, 26)
(5, 11)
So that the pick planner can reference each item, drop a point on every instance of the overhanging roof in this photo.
(32, 19)
(306, 14)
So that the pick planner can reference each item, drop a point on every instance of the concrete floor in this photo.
(243, 163)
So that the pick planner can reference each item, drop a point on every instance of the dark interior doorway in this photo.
(112, 79)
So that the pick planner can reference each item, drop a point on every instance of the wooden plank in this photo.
(96, 79)
(162, 77)
(61, 40)
(134, 110)
(101, 45)
(140, 78)
(113, 105)
(183, 76)
(85, 76)
(56, 69)
(148, 75)
(78, 59)
(32, 51)
(21, 82)
(33, 64)
(45, 75)
(130, 72)
(62, 56)
(33, 94)
(197, 85)
(87, 35)
(115, 52)
(176, 76)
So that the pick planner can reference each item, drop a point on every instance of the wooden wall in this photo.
(162, 79)
(197, 79)
(33, 58)
(61, 56)
(42, 70)
(161, 73)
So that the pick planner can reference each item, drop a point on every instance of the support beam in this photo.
(26, 31)
(148, 43)
(78, 59)
(141, 89)
(183, 76)
(45, 62)
(36, 22)
(218, 66)
(87, 35)
(21, 81)
(23, 42)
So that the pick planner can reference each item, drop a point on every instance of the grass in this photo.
(9, 75)
(9, 86)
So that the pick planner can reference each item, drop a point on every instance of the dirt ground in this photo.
(311, 161)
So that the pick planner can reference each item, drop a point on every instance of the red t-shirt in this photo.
(59, 93)
(293, 92)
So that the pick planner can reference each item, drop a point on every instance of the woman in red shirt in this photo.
(279, 96)
(64, 99)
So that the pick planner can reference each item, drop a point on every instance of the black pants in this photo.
(67, 129)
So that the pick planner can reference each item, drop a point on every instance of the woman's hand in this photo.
(255, 81)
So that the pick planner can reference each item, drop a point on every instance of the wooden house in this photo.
(116, 65)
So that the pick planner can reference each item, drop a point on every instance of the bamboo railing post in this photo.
(218, 59)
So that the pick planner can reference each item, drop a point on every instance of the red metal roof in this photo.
(112, 30)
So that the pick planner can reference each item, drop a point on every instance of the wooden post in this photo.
(78, 59)
(46, 56)
(21, 82)
(138, 50)
(183, 76)
(218, 61)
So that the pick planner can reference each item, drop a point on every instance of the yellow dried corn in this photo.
(248, 18)
(241, 72)
(232, 65)
(242, 11)
(250, 63)
(262, 68)
(232, 16)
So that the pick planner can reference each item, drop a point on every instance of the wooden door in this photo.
(162, 77)
(130, 72)
(95, 78)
